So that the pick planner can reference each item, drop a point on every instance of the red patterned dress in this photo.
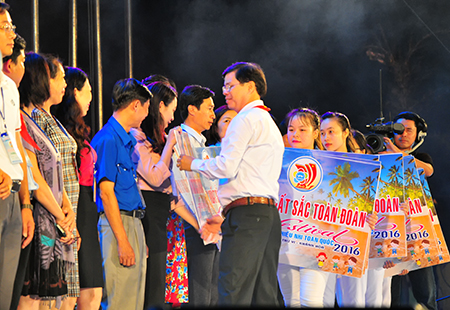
(176, 265)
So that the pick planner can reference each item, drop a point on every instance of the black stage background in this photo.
(315, 53)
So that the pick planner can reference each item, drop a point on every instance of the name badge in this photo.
(11, 149)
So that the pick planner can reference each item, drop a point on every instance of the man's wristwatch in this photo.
(27, 206)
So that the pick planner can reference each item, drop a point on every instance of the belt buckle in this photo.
(15, 186)
(139, 213)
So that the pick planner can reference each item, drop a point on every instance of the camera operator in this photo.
(422, 280)
(410, 140)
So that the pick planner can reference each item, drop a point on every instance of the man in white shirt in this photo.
(250, 160)
(197, 111)
(13, 180)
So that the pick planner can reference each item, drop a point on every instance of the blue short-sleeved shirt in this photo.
(114, 147)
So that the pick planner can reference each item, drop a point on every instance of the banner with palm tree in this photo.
(389, 236)
(421, 240)
(318, 191)
(426, 245)
(444, 255)
(325, 198)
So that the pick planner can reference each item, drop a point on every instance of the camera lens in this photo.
(376, 142)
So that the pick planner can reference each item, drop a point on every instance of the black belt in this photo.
(135, 213)
(15, 186)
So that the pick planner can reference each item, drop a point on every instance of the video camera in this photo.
(378, 130)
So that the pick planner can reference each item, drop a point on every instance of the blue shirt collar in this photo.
(126, 138)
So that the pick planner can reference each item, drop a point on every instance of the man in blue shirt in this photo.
(118, 199)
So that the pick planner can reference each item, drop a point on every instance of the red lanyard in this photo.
(263, 107)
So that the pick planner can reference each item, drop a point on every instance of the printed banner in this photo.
(421, 239)
(210, 186)
(324, 200)
(444, 255)
(389, 236)
(198, 193)
(325, 195)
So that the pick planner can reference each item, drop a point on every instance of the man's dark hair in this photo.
(420, 123)
(3, 7)
(19, 45)
(248, 71)
(193, 95)
(127, 90)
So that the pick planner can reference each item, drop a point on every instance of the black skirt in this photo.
(89, 255)
(154, 222)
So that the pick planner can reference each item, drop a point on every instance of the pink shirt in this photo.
(88, 160)
(153, 174)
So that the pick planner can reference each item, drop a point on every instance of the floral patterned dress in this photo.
(176, 266)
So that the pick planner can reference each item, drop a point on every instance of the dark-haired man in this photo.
(16, 226)
(119, 203)
(14, 64)
(197, 111)
(415, 132)
(250, 160)
(422, 280)
(14, 68)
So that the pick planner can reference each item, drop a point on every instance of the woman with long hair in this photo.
(336, 135)
(153, 152)
(302, 286)
(71, 112)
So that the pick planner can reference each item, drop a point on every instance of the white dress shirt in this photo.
(251, 157)
(196, 139)
(10, 116)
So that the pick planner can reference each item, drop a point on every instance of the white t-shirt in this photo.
(10, 110)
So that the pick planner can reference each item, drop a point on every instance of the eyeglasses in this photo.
(8, 28)
(228, 88)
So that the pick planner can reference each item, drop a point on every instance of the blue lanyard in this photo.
(2, 112)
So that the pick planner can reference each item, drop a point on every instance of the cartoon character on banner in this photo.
(321, 257)
(394, 245)
(411, 249)
(335, 262)
(379, 248)
(351, 262)
(426, 246)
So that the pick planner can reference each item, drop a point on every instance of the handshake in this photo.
(211, 232)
